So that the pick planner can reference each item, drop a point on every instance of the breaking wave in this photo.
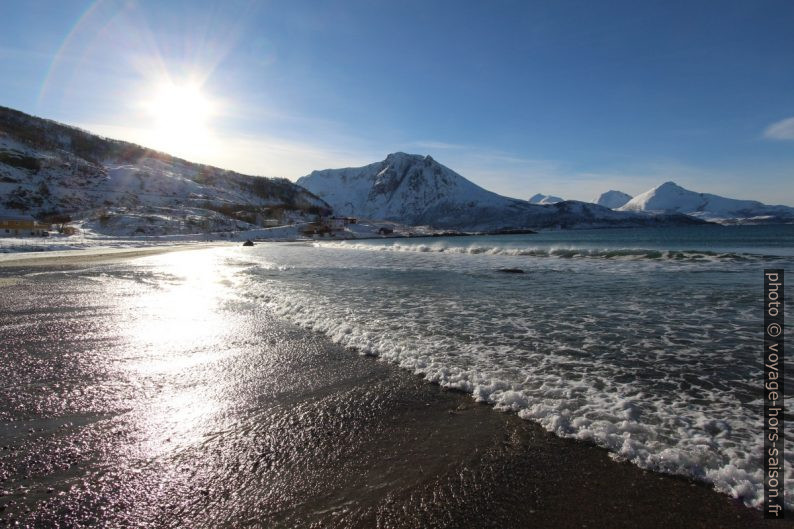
(621, 347)
(558, 252)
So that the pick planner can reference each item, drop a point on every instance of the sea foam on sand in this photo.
(613, 356)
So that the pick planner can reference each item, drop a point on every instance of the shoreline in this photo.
(337, 439)
(96, 255)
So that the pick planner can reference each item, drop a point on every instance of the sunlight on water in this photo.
(174, 329)
(184, 311)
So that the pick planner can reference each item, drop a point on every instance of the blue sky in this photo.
(561, 97)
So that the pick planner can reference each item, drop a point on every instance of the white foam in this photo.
(562, 252)
(651, 376)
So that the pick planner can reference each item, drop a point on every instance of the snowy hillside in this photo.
(115, 187)
(544, 199)
(612, 199)
(417, 190)
(672, 198)
(403, 186)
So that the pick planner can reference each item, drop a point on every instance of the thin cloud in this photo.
(436, 145)
(780, 130)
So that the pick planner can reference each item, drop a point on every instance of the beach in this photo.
(138, 397)
(95, 255)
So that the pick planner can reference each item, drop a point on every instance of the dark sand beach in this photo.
(76, 258)
(125, 402)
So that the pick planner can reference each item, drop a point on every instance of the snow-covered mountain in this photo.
(672, 198)
(416, 190)
(613, 199)
(47, 168)
(540, 198)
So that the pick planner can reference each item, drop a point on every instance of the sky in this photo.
(570, 98)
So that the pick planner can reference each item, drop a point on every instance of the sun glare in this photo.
(180, 116)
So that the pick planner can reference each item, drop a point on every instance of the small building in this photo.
(338, 223)
(315, 228)
(22, 226)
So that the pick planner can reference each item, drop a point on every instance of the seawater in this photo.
(647, 342)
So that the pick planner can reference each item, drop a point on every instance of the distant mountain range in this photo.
(672, 198)
(613, 199)
(544, 199)
(119, 188)
(417, 190)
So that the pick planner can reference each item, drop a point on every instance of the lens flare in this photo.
(180, 116)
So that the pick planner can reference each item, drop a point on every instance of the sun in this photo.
(180, 115)
(180, 107)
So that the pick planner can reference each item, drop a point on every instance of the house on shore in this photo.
(328, 225)
(22, 226)
(338, 223)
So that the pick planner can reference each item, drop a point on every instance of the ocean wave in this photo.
(538, 373)
(556, 252)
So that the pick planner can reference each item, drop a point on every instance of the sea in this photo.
(647, 342)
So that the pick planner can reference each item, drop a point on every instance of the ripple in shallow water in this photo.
(654, 360)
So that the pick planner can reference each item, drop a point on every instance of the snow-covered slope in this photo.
(613, 199)
(672, 198)
(416, 190)
(47, 168)
(413, 188)
(540, 198)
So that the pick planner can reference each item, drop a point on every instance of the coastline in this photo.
(52, 258)
(336, 439)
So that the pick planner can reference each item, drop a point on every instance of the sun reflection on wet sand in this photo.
(184, 313)
(177, 334)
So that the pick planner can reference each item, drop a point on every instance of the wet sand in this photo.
(71, 258)
(129, 401)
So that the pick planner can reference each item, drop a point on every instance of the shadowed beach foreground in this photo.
(134, 395)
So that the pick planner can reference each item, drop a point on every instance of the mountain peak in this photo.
(672, 198)
(408, 188)
(613, 199)
(399, 156)
(540, 198)
(669, 185)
